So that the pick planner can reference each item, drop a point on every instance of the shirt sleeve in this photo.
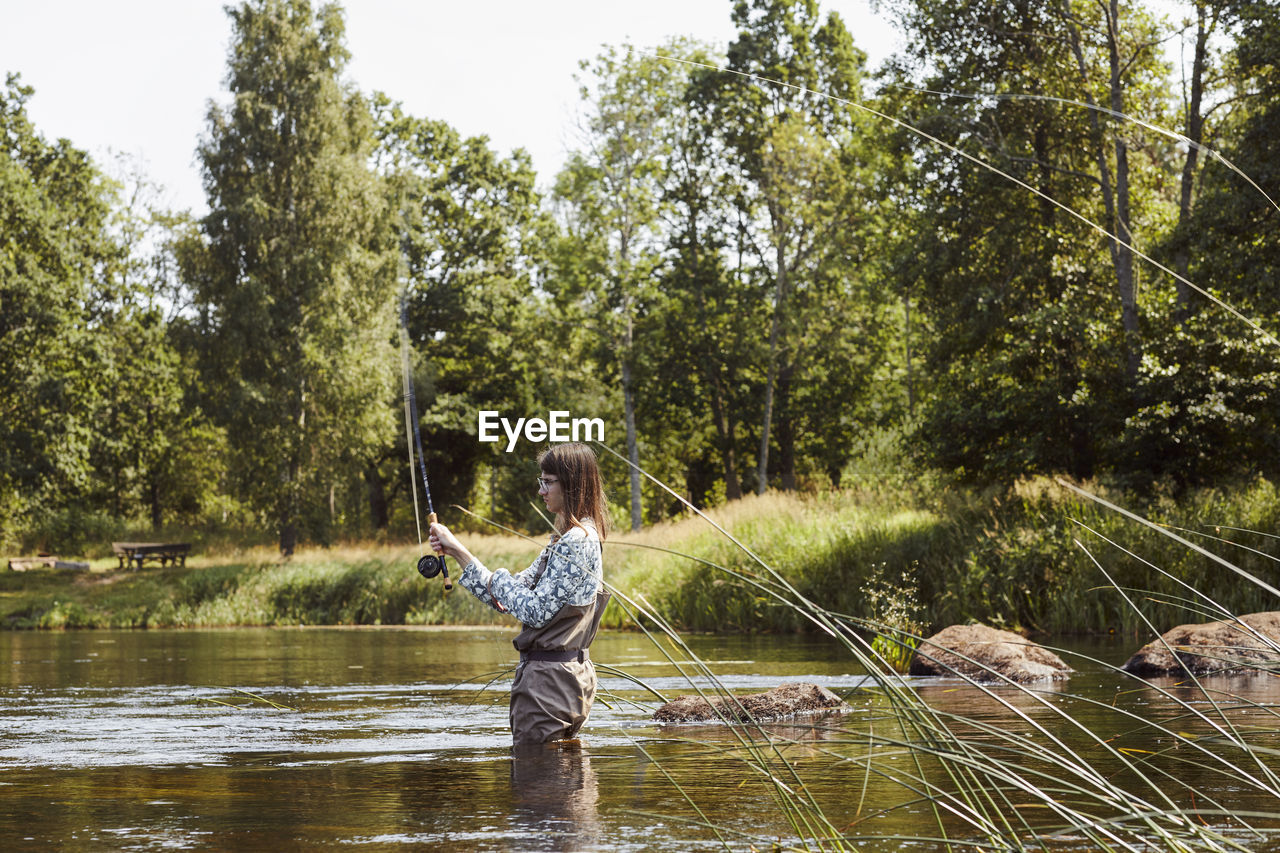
(572, 576)
(475, 579)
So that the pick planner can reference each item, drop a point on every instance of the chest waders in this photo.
(555, 684)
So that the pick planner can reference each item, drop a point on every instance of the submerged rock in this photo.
(983, 653)
(1212, 647)
(785, 700)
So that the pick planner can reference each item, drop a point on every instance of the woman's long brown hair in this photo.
(574, 465)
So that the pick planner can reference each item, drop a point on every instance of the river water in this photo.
(396, 739)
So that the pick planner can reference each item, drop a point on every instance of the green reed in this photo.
(1043, 780)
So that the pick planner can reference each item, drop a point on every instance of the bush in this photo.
(71, 532)
(66, 614)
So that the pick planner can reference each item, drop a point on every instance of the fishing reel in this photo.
(431, 565)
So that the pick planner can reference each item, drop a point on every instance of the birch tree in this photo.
(610, 193)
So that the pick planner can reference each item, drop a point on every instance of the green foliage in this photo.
(898, 568)
(751, 283)
(54, 242)
(71, 530)
(897, 618)
(297, 288)
(1214, 384)
(1034, 333)
(1009, 560)
(612, 202)
(66, 615)
(802, 167)
(472, 234)
(315, 590)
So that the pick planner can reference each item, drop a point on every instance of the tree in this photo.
(1217, 376)
(1126, 37)
(55, 241)
(152, 450)
(297, 297)
(1234, 223)
(1203, 75)
(471, 235)
(1036, 337)
(711, 312)
(801, 198)
(611, 194)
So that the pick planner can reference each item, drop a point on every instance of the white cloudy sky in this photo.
(136, 76)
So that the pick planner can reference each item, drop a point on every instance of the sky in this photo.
(135, 77)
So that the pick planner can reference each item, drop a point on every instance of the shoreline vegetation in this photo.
(919, 559)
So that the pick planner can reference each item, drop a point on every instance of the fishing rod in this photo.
(429, 565)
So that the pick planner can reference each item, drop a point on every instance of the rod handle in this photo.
(444, 567)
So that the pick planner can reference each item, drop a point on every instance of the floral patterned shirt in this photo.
(573, 574)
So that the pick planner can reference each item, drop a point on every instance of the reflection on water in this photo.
(554, 795)
(397, 739)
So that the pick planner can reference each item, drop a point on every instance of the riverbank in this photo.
(1015, 560)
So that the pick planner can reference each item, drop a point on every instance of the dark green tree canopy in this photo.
(299, 288)
(56, 253)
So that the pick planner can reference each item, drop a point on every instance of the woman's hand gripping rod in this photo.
(430, 565)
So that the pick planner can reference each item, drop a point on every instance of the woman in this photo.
(559, 599)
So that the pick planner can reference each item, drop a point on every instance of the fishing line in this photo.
(429, 565)
(989, 167)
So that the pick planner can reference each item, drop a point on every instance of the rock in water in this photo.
(1211, 647)
(991, 654)
(785, 700)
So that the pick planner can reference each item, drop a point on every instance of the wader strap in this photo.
(555, 657)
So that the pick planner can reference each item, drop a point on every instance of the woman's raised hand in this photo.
(442, 540)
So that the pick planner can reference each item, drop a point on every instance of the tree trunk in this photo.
(289, 513)
(633, 446)
(289, 509)
(725, 434)
(1195, 133)
(292, 471)
(629, 414)
(906, 340)
(786, 432)
(377, 492)
(153, 493)
(1126, 274)
(288, 537)
(721, 416)
(762, 471)
(628, 389)
(1117, 213)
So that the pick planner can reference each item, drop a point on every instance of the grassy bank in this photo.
(353, 585)
(1012, 560)
(1007, 560)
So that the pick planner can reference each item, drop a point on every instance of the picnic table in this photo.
(136, 553)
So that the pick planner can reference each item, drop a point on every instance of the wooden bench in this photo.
(136, 553)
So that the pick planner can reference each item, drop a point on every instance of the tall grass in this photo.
(354, 585)
(999, 558)
(1038, 780)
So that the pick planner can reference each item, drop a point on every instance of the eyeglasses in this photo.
(544, 483)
